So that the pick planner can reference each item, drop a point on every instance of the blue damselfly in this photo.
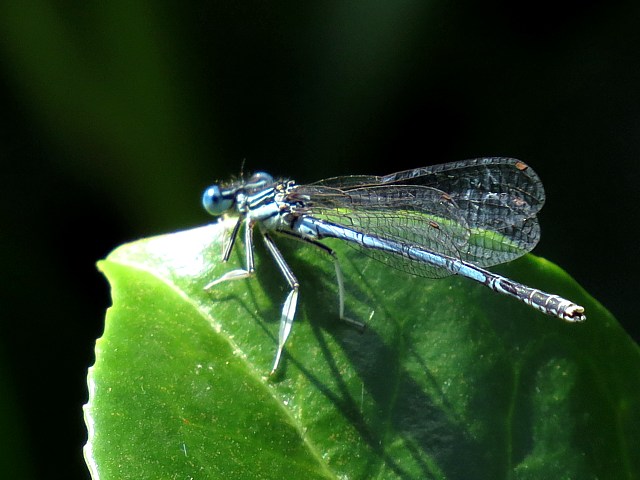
(449, 219)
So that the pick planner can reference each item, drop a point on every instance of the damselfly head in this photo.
(220, 198)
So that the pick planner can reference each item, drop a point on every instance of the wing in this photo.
(492, 201)
(412, 215)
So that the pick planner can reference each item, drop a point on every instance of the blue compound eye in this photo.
(215, 202)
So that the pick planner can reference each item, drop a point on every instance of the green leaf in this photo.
(449, 380)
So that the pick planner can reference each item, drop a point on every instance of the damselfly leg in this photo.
(290, 305)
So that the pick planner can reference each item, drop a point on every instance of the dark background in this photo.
(117, 116)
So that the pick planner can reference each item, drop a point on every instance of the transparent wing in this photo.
(495, 194)
(492, 200)
(497, 175)
(411, 215)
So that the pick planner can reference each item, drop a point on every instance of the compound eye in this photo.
(215, 202)
(261, 178)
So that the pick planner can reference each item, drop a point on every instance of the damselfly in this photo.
(450, 219)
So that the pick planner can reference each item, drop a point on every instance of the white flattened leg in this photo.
(290, 304)
(339, 276)
(248, 246)
(286, 322)
(231, 275)
(340, 280)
